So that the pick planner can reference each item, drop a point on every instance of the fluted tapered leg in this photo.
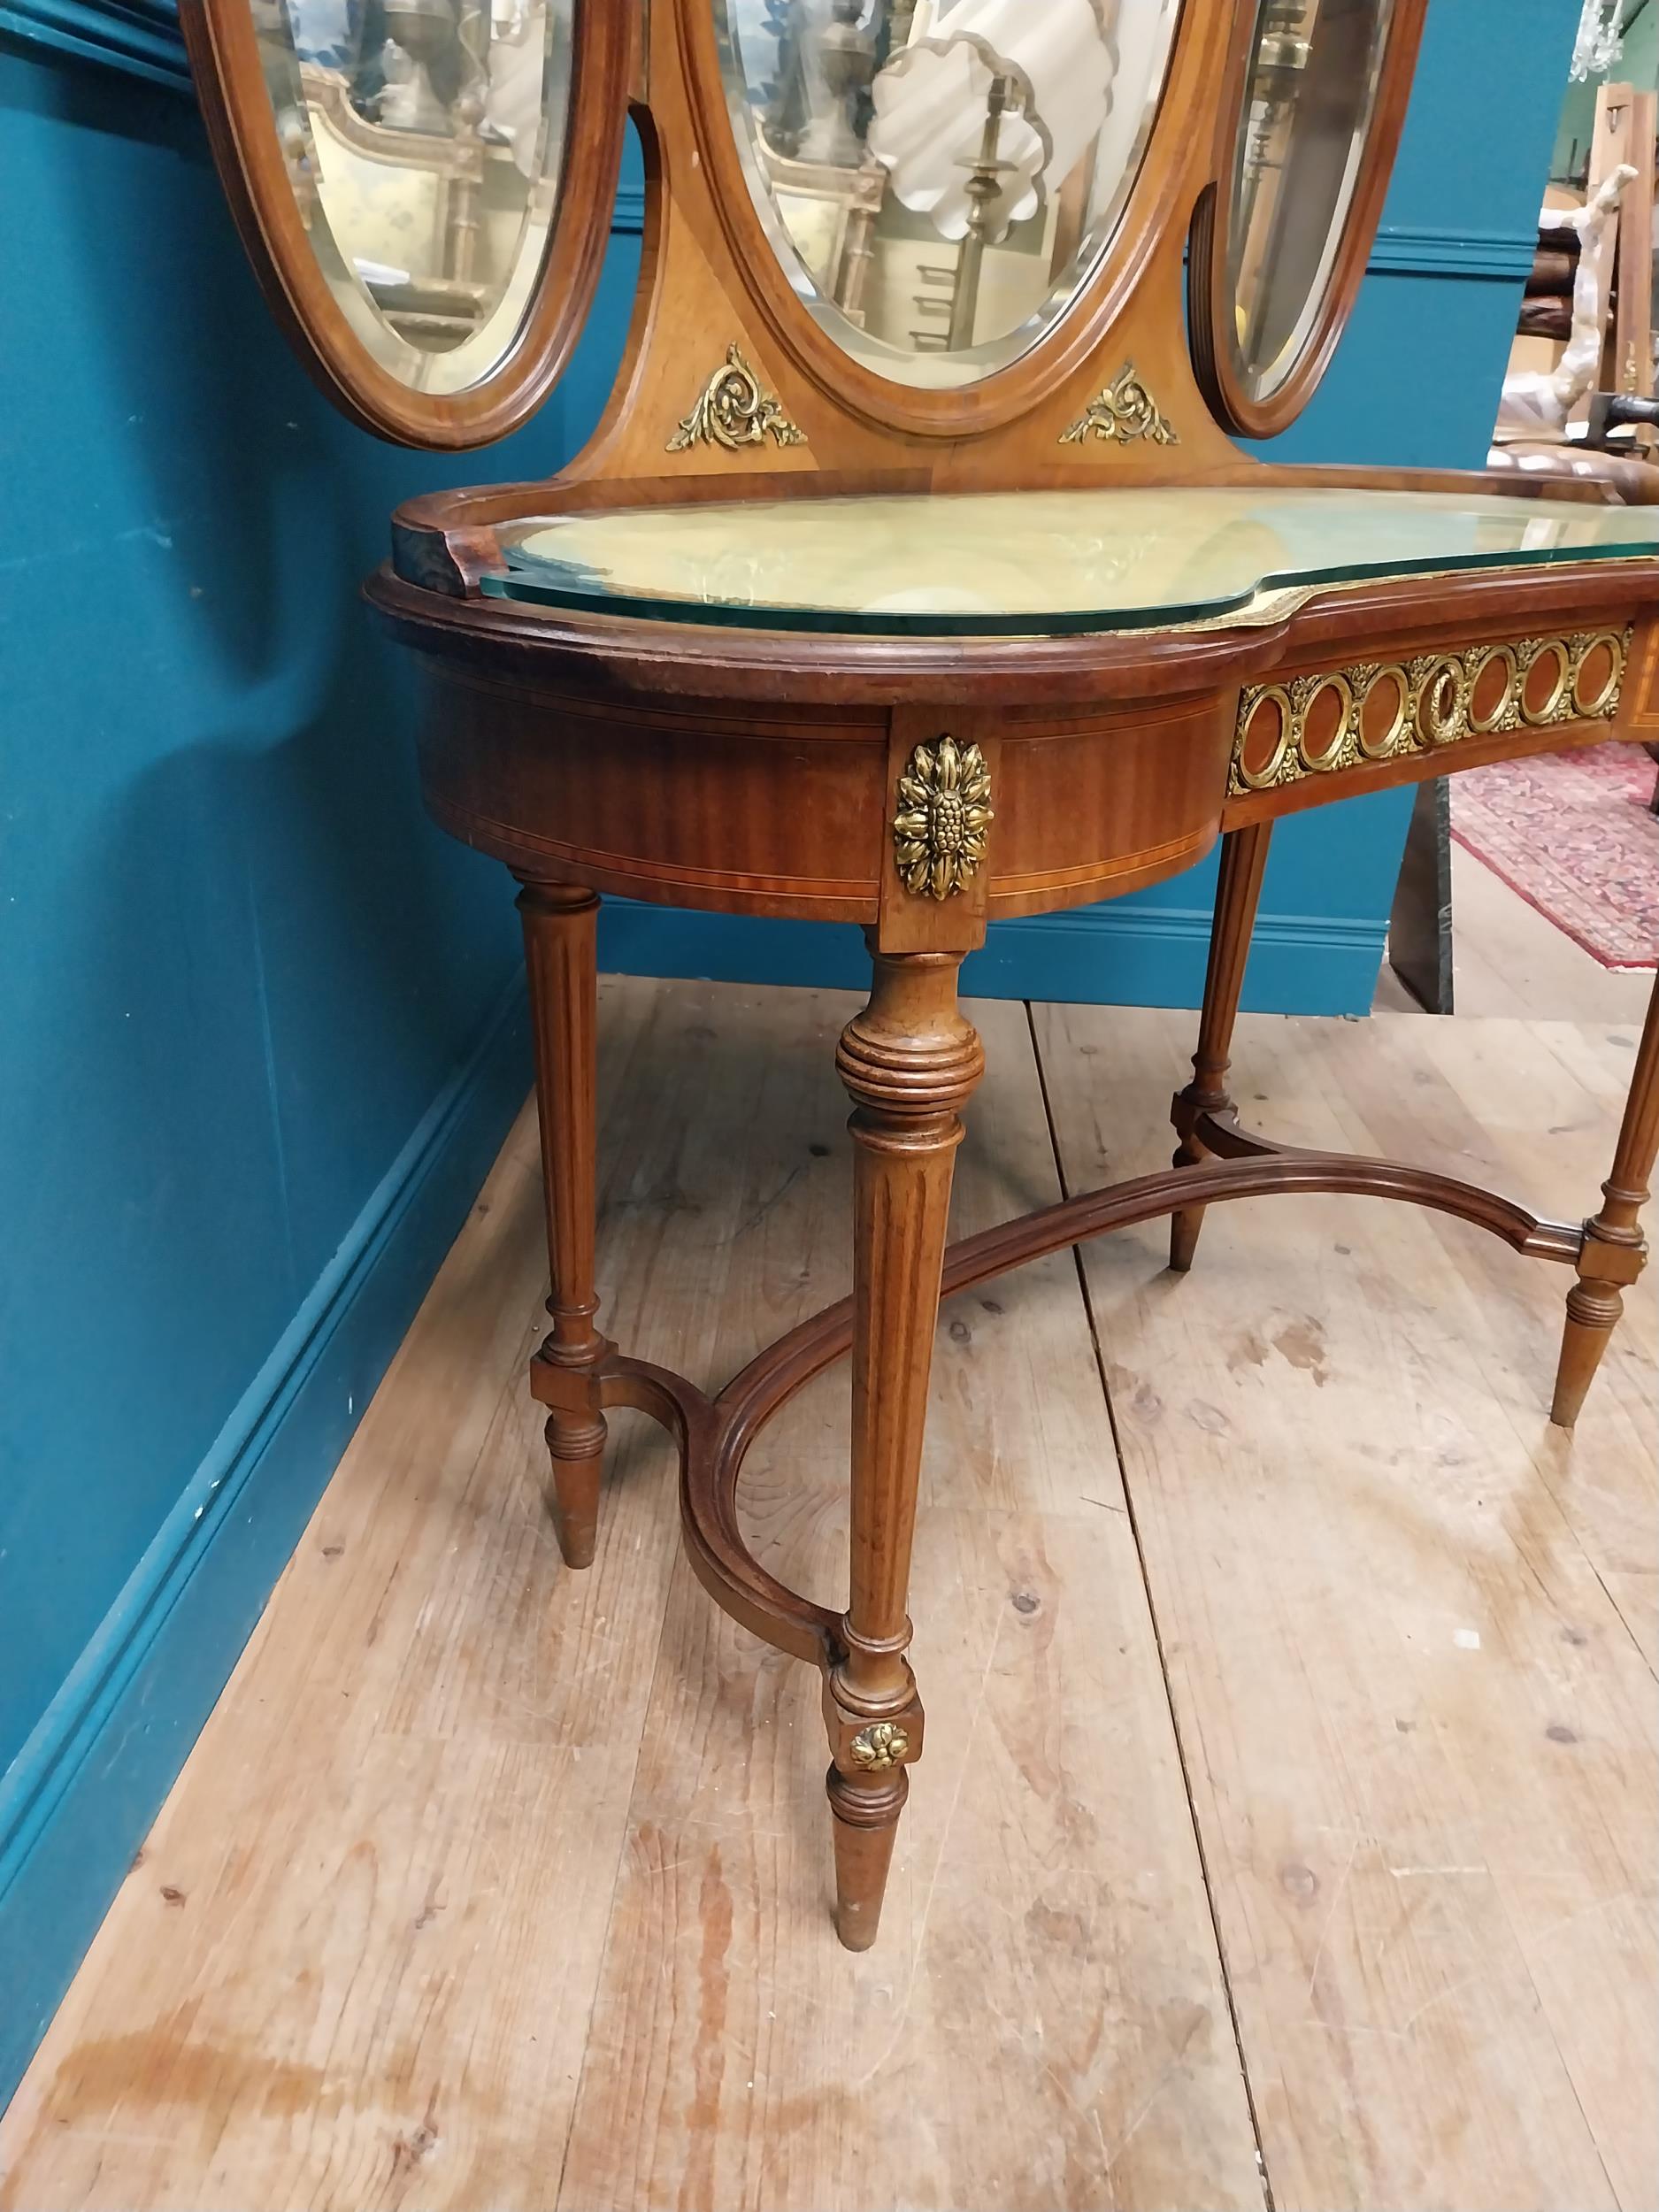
(908, 1062)
(560, 960)
(1238, 892)
(1615, 1251)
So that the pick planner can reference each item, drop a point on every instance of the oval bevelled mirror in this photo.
(940, 178)
(1320, 103)
(402, 173)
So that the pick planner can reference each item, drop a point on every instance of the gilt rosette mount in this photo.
(735, 410)
(882, 1745)
(944, 810)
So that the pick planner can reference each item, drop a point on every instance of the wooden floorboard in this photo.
(1397, 1610)
(492, 1885)
(1042, 2022)
(1508, 959)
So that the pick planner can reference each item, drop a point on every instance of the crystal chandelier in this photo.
(1601, 40)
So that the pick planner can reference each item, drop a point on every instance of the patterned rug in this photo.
(1572, 833)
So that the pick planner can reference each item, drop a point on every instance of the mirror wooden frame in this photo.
(710, 268)
(706, 244)
(1151, 211)
(223, 47)
(1211, 302)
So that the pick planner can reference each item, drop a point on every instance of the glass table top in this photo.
(1041, 562)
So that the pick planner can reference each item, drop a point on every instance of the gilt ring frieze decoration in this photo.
(1335, 719)
(735, 411)
(944, 810)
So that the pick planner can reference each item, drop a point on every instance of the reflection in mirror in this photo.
(1309, 106)
(939, 177)
(423, 140)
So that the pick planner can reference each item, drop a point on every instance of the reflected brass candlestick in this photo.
(901, 18)
(984, 187)
(847, 55)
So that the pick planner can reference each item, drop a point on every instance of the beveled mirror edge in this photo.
(1209, 287)
(1153, 211)
(984, 357)
(222, 44)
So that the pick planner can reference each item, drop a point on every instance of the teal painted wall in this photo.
(1415, 382)
(260, 1028)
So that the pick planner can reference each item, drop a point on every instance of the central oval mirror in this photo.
(423, 142)
(940, 178)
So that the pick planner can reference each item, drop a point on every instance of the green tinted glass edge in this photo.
(523, 584)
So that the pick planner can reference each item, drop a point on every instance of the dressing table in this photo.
(913, 579)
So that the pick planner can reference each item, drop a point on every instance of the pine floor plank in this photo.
(492, 1885)
(487, 1882)
(1510, 959)
(1041, 2022)
(1418, 1730)
(347, 1894)
(1507, 959)
(1555, 1090)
